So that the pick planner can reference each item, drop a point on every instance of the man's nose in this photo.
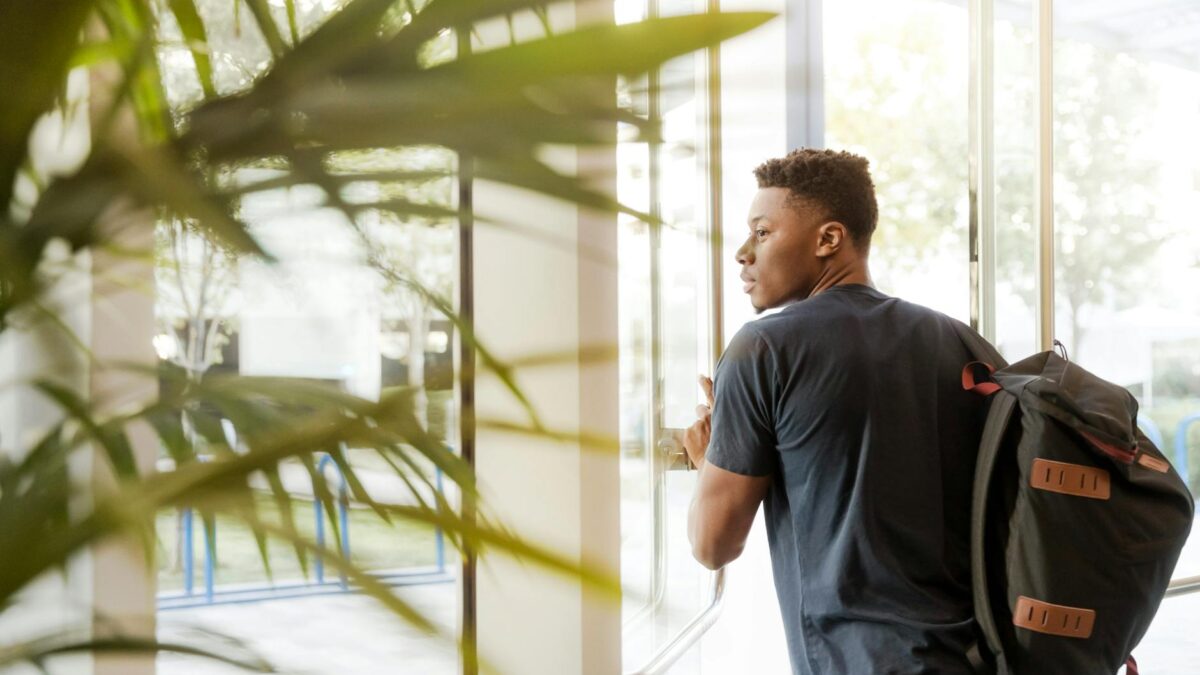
(745, 254)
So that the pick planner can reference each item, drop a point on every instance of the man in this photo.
(845, 412)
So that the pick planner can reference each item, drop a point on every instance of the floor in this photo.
(323, 635)
(352, 635)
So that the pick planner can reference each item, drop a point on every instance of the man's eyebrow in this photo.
(753, 221)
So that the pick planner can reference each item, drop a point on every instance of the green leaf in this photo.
(192, 27)
(627, 49)
(37, 42)
(283, 501)
(338, 40)
(533, 175)
(324, 495)
(160, 177)
(133, 22)
(95, 53)
(293, 27)
(266, 25)
(357, 490)
(467, 333)
(169, 427)
(39, 650)
(111, 438)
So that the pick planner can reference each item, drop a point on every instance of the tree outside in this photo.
(1125, 197)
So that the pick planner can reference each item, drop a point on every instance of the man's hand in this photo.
(695, 438)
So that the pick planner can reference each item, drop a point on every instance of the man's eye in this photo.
(760, 233)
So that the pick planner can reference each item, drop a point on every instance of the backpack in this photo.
(1077, 520)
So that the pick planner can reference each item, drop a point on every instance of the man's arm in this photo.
(724, 504)
(721, 514)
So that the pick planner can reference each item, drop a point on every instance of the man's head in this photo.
(810, 226)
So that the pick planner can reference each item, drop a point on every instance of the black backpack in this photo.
(1077, 520)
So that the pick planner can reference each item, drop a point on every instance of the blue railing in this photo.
(259, 592)
(1152, 431)
(1181, 445)
(343, 521)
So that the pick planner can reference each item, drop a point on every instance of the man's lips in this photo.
(747, 284)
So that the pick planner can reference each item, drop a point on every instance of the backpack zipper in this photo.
(1120, 454)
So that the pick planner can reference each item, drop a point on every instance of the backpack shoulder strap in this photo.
(981, 349)
(999, 415)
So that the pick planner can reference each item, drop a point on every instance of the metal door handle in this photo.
(670, 444)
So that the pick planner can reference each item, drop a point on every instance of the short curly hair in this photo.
(837, 181)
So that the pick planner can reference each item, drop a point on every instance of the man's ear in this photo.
(831, 238)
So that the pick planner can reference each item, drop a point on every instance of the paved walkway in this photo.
(324, 635)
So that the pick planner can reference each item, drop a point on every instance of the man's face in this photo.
(779, 259)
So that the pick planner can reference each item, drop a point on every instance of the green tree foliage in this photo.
(896, 91)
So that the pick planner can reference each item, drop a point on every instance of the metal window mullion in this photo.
(1043, 22)
(466, 355)
(981, 168)
(658, 464)
(715, 203)
(805, 74)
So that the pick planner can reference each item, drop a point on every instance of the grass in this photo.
(374, 545)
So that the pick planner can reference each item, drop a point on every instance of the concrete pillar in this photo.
(104, 301)
(550, 288)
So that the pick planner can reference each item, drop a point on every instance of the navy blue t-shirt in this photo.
(852, 401)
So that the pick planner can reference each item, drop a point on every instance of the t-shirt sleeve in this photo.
(743, 424)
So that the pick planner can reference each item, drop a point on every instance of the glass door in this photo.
(666, 319)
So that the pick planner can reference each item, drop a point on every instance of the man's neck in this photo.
(856, 273)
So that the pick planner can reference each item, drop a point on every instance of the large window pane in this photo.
(1127, 188)
(1015, 156)
(1127, 191)
(895, 92)
(324, 311)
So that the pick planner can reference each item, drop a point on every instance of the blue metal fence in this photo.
(1181, 445)
(1152, 431)
(243, 593)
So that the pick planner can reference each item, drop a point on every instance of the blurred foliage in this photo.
(292, 93)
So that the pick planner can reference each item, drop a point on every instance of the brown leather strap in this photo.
(1044, 617)
(1153, 463)
(1070, 479)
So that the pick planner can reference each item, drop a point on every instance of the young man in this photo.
(845, 412)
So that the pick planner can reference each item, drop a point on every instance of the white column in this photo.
(106, 302)
(550, 288)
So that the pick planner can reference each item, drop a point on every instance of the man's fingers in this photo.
(707, 385)
(703, 411)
